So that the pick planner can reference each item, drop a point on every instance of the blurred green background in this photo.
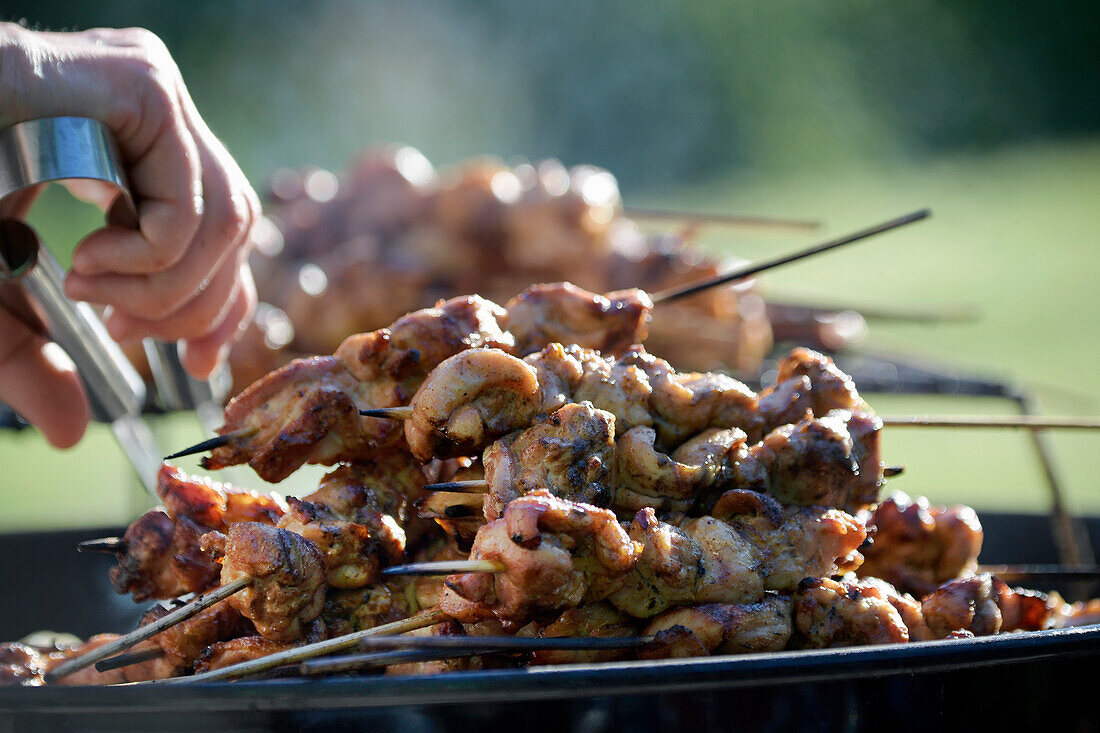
(849, 112)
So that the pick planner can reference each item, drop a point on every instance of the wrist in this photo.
(15, 66)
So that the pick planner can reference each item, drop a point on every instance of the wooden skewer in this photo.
(743, 273)
(891, 471)
(474, 486)
(103, 544)
(445, 567)
(404, 649)
(1013, 573)
(216, 442)
(309, 651)
(504, 643)
(389, 413)
(733, 220)
(356, 662)
(171, 619)
(1011, 421)
(125, 660)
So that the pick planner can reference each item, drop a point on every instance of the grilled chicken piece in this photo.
(830, 613)
(183, 643)
(687, 403)
(717, 628)
(808, 381)
(918, 547)
(564, 313)
(154, 669)
(223, 654)
(287, 573)
(705, 560)
(645, 477)
(162, 558)
(214, 504)
(985, 605)
(304, 412)
(354, 554)
(556, 554)
(832, 461)
(623, 386)
(307, 411)
(346, 611)
(470, 400)
(571, 454)
(594, 620)
(794, 542)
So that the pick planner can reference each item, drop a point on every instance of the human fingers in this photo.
(201, 356)
(40, 382)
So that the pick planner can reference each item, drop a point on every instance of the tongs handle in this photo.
(61, 148)
(114, 387)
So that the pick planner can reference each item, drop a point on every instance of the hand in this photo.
(184, 276)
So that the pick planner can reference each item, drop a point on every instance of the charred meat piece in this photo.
(555, 554)
(571, 454)
(717, 628)
(287, 573)
(918, 547)
(564, 313)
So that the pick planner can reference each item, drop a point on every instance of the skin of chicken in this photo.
(918, 547)
(354, 554)
(563, 313)
(287, 573)
(469, 400)
(304, 412)
(647, 477)
(553, 553)
(571, 454)
(162, 559)
(793, 542)
(705, 560)
(984, 605)
(214, 504)
(830, 613)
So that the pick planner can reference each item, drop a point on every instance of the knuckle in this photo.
(233, 224)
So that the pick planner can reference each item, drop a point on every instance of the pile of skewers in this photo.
(528, 485)
(489, 228)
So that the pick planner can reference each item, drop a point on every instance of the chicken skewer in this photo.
(309, 651)
(145, 632)
(250, 400)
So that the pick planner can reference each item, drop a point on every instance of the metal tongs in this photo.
(65, 148)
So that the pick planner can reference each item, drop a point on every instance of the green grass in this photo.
(1013, 233)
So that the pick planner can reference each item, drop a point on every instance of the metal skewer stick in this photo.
(750, 270)
(125, 660)
(171, 619)
(389, 650)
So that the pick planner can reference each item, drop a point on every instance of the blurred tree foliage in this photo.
(661, 93)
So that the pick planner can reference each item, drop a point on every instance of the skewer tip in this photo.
(216, 442)
(103, 544)
(388, 413)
